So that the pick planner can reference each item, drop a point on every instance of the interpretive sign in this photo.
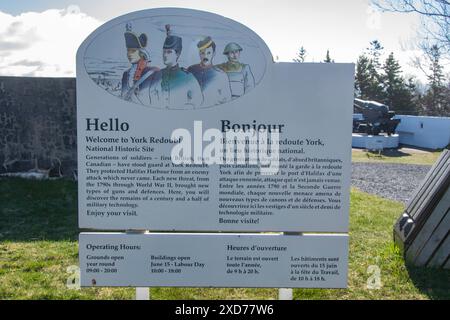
(186, 123)
(218, 260)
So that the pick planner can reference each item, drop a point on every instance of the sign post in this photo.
(186, 124)
(285, 294)
(142, 294)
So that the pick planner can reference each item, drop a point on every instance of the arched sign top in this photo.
(175, 58)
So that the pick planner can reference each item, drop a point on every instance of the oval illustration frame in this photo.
(107, 55)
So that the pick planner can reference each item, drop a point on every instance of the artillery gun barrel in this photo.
(358, 103)
(370, 105)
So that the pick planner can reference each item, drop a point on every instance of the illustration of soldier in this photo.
(239, 74)
(140, 65)
(213, 81)
(174, 87)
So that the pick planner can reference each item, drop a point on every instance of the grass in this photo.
(396, 156)
(38, 242)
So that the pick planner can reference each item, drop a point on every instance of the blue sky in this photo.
(50, 31)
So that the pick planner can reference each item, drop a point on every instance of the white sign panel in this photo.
(213, 260)
(158, 90)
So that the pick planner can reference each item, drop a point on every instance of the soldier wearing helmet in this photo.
(239, 75)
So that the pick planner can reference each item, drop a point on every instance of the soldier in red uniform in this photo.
(140, 66)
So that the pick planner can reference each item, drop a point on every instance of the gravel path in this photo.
(388, 180)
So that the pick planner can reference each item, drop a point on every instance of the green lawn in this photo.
(38, 242)
(396, 156)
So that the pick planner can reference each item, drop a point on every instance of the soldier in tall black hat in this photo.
(140, 65)
(174, 87)
(213, 81)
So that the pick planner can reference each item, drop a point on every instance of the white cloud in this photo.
(43, 44)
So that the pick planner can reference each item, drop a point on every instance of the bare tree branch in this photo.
(435, 14)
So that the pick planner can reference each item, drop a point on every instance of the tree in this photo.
(328, 58)
(301, 55)
(416, 96)
(385, 84)
(363, 78)
(396, 92)
(392, 79)
(435, 14)
(436, 77)
(374, 53)
(436, 100)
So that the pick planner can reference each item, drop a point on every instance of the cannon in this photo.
(377, 118)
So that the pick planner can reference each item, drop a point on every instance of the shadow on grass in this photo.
(33, 210)
(433, 282)
(392, 153)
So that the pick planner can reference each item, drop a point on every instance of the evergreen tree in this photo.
(396, 91)
(392, 81)
(362, 78)
(436, 101)
(436, 77)
(445, 112)
(301, 55)
(374, 53)
(415, 95)
(328, 58)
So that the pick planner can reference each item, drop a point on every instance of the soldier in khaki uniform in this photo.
(239, 74)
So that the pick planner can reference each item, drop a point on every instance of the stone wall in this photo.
(38, 125)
